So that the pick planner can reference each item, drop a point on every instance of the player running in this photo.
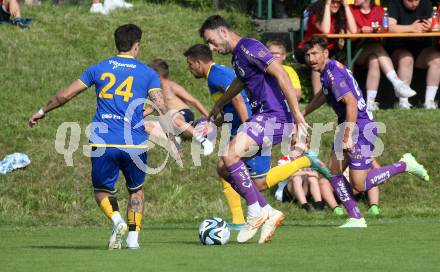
(269, 86)
(219, 77)
(118, 142)
(342, 92)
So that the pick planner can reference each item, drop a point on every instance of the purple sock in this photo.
(344, 192)
(377, 176)
(261, 200)
(242, 182)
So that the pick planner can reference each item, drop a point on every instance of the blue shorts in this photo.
(258, 166)
(188, 115)
(105, 169)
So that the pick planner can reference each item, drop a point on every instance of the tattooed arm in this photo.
(61, 98)
(156, 97)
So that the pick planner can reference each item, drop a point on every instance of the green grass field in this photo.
(386, 245)
(49, 220)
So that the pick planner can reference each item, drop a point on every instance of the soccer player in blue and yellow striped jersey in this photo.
(118, 138)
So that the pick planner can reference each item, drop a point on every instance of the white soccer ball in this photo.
(214, 231)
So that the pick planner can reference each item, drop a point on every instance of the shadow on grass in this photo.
(69, 247)
(309, 225)
(197, 243)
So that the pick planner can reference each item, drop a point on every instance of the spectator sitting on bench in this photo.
(374, 56)
(414, 16)
(326, 16)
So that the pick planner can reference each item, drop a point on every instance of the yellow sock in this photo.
(282, 172)
(109, 206)
(234, 203)
(134, 221)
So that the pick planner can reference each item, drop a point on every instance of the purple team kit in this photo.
(336, 82)
(271, 120)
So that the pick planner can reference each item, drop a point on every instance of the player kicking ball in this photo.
(201, 65)
(122, 86)
(269, 87)
(341, 91)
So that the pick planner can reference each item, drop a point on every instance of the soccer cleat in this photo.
(115, 240)
(374, 210)
(413, 167)
(317, 164)
(430, 105)
(233, 226)
(354, 223)
(372, 106)
(338, 211)
(272, 223)
(403, 105)
(251, 226)
(403, 90)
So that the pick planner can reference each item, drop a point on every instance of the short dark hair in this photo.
(160, 66)
(315, 39)
(277, 42)
(199, 52)
(126, 36)
(213, 22)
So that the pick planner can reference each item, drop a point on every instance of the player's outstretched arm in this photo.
(234, 89)
(61, 98)
(317, 101)
(183, 94)
(276, 70)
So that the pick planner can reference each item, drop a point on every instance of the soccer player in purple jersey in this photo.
(341, 91)
(271, 97)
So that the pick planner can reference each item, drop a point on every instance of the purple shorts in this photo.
(267, 131)
(362, 155)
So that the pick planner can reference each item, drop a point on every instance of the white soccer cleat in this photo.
(115, 240)
(430, 105)
(272, 223)
(354, 223)
(413, 167)
(372, 106)
(403, 90)
(98, 8)
(251, 226)
(208, 147)
(403, 105)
